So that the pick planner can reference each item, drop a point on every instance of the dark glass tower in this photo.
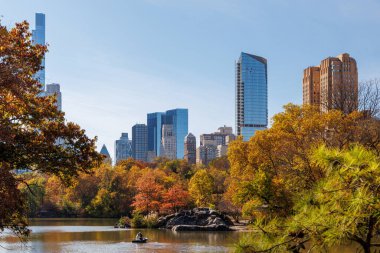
(251, 95)
(38, 37)
(154, 122)
(140, 142)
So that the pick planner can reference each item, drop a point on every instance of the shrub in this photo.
(151, 220)
(137, 221)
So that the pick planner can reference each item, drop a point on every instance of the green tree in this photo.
(344, 206)
(30, 127)
(201, 188)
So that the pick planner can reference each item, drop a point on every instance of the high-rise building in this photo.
(223, 137)
(206, 153)
(214, 145)
(154, 123)
(333, 84)
(251, 95)
(311, 86)
(38, 37)
(54, 89)
(123, 148)
(190, 149)
(178, 118)
(104, 151)
(168, 142)
(140, 142)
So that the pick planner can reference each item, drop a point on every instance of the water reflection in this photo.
(99, 236)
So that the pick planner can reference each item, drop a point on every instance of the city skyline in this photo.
(103, 89)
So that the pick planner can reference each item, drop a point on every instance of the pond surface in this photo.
(99, 236)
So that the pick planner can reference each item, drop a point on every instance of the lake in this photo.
(99, 236)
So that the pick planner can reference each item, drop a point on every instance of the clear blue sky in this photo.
(117, 60)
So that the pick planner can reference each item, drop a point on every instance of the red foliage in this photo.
(149, 195)
(175, 198)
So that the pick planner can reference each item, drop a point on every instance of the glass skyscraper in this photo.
(123, 148)
(38, 37)
(140, 142)
(251, 95)
(154, 123)
(55, 89)
(180, 120)
(176, 117)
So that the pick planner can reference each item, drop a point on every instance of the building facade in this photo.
(123, 148)
(38, 37)
(251, 95)
(223, 137)
(54, 89)
(154, 124)
(190, 149)
(206, 153)
(178, 118)
(311, 86)
(140, 142)
(168, 142)
(214, 145)
(333, 84)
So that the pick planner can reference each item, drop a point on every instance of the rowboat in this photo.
(144, 240)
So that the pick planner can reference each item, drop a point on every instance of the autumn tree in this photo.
(114, 196)
(30, 127)
(34, 190)
(149, 196)
(175, 198)
(369, 97)
(342, 207)
(201, 188)
(274, 167)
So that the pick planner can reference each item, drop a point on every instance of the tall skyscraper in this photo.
(333, 84)
(154, 123)
(54, 89)
(190, 149)
(311, 86)
(123, 148)
(38, 37)
(251, 95)
(168, 142)
(140, 142)
(178, 118)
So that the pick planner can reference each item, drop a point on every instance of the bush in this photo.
(151, 220)
(137, 221)
(124, 222)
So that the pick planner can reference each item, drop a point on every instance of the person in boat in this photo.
(139, 236)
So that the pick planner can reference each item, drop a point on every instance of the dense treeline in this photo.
(126, 188)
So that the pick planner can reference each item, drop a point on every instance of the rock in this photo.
(201, 228)
(197, 219)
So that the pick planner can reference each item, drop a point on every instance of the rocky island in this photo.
(197, 219)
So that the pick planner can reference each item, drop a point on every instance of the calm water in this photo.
(94, 235)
